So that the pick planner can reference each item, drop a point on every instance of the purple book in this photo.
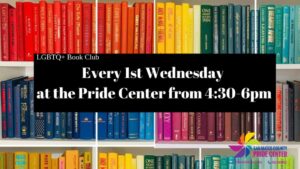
(167, 125)
(160, 123)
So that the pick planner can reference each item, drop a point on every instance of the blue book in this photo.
(149, 126)
(272, 125)
(86, 125)
(230, 28)
(63, 125)
(76, 125)
(40, 126)
(57, 132)
(265, 126)
(244, 29)
(123, 125)
(3, 109)
(297, 35)
(133, 125)
(32, 113)
(69, 125)
(17, 111)
(231, 163)
(102, 125)
(278, 33)
(110, 125)
(49, 125)
(116, 125)
(142, 125)
(286, 34)
(25, 109)
(292, 35)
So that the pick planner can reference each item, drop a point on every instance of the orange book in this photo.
(57, 26)
(136, 27)
(64, 30)
(108, 30)
(86, 27)
(94, 36)
(142, 24)
(130, 30)
(124, 22)
(54, 163)
(46, 161)
(81, 162)
(116, 28)
(72, 159)
(70, 26)
(43, 27)
(149, 27)
(50, 28)
(77, 26)
(34, 160)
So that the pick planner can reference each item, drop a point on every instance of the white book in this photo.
(140, 161)
(197, 28)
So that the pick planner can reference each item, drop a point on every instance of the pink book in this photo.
(167, 125)
(159, 121)
(220, 126)
(211, 126)
(62, 163)
(176, 124)
(184, 125)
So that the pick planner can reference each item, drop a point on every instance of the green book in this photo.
(216, 161)
(181, 162)
(263, 29)
(192, 162)
(206, 29)
(278, 33)
(174, 161)
(224, 163)
(223, 29)
(149, 162)
(208, 162)
(255, 163)
(290, 162)
(2, 160)
(270, 40)
(167, 162)
(159, 162)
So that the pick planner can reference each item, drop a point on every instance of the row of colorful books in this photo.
(33, 160)
(58, 27)
(19, 120)
(279, 126)
(121, 125)
(175, 161)
(220, 162)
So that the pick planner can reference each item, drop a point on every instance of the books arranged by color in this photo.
(220, 162)
(33, 160)
(123, 125)
(19, 120)
(119, 161)
(70, 27)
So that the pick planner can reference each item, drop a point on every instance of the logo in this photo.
(245, 144)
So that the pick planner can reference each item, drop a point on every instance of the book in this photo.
(285, 36)
(133, 125)
(176, 128)
(167, 119)
(101, 27)
(142, 125)
(124, 23)
(149, 28)
(149, 131)
(136, 27)
(211, 130)
(87, 27)
(116, 28)
(149, 162)
(278, 33)
(160, 27)
(21, 160)
(116, 133)
(34, 160)
(142, 27)
(270, 40)
(279, 115)
(70, 27)
(170, 27)
(159, 121)
(192, 135)
(130, 30)
(78, 27)
(86, 125)
(50, 29)
(206, 27)
(72, 157)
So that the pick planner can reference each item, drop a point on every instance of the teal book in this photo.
(223, 29)
(197, 165)
(292, 35)
(167, 162)
(216, 22)
(248, 34)
(278, 33)
(238, 163)
(208, 162)
(224, 163)
(237, 29)
(187, 162)
(174, 161)
(231, 162)
(142, 125)
(230, 28)
(286, 31)
(270, 40)
(206, 29)
(255, 163)
(216, 161)
(263, 29)
(297, 35)
(202, 164)
(181, 162)
(247, 162)
(159, 162)
(244, 30)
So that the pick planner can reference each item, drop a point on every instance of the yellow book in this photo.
(170, 27)
(3, 160)
(102, 164)
(54, 163)
(140, 161)
(191, 31)
(87, 160)
(34, 160)
(61, 162)
(121, 162)
(9, 160)
(72, 159)
(46, 160)
(81, 162)
(160, 27)
(133, 163)
(185, 28)
(128, 160)
(112, 161)
(21, 160)
(197, 28)
(178, 21)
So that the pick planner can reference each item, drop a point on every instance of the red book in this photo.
(130, 30)
(20, 31)
(70, 26)
(136, 27)
(211, 126)
(0, 34)
(278, 112)
(78, 26)
(36, 30)
(50, 28)
(3, 109)
(201, 128)
(94, 27)
(5, 31)
(28, 30)
(57, 26)
(184, 126)
(43, 27)
(64, 47)
(176, 126)
(167, 116)
(108, 28)
(12, 35)
(228, 126)
(87, 27)
(192, 135)
(116, 28)
(101, 28)
(124, 30)
(149, 27)
(160, 127)
(220, 134)
(142, 31)
(235, 126)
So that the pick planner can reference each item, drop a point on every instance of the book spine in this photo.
(57, 126)
(228, 126)
(249, 122)
(101, 28)
(50, 28)
(20, 31)
(77, 26)
(63, 124)
(291, 110)
(248, 29)
(36, 28)
(39, 125)
(285, 112)
(185, 28)
(102, 125)
(296, 112)
(292, 35)
(3, 109)
(167, 162)
(203, 130)
(124, 22)
(206, 27)
(170, 27)
(211, 126)
(184, 125)
(243, 120)
(76, 125)
(5, 31)
(43, 27)
(174, 161)
(149, 28)
(191, 129)
(136, 27)
(28, 30)
(279, 112)
(159, 121)
(123, 125)
(258, 124)
(31, 109)
(57, 26)
(116, 125)
(130, 30)
(110, 125)
(265, 126)
(142, 125)
(64, 32)
(237, 29)
(244, 30)
(270, 29)
(263, 29)
(17, 111)
(69, 125)
(235, 126)
(149, 131)
(160, 27)
(278, 33)
(49, 125)
(272, 125)
(167, 121)
(25, 107)
(108, 28)
(159, 162)
(252, 31)
(133, 125)
(220, 126)
(94, 27)
(297, 35)
(197, 30)
(285, 36)
(216, 21)
(86, 125)
(116, 28)
(142, 28)
(176, 128)
(190, 31)
(86, 27)
(12, 35)
(70, 27)
(9, 109)
(230, 28)
(223, 29)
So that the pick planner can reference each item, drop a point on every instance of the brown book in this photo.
(243, 120)
(228, 126)
(258, 131)
(201, 122)
(10, 160)
(211, 126)
(220, 120)
(192, 135)
(235, 126)
(249, 122)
